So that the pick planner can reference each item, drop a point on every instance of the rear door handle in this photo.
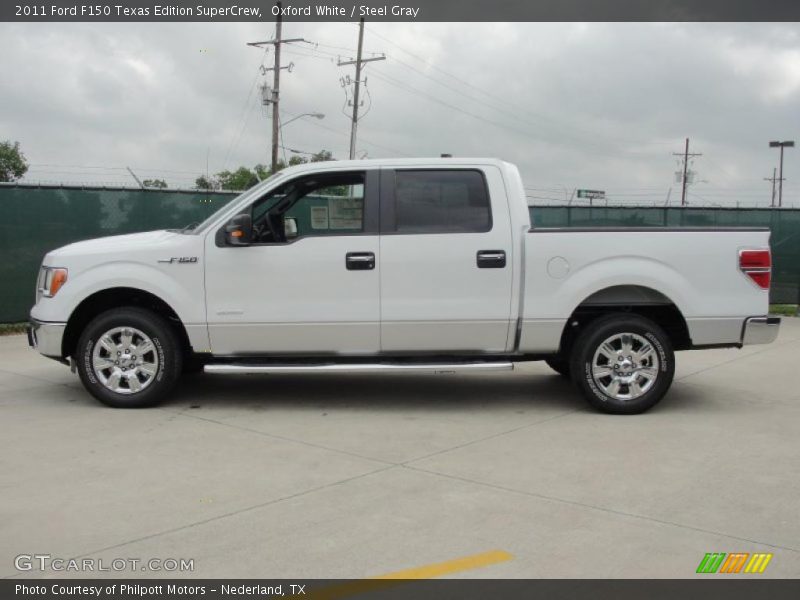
(491, 259)
(360, 261)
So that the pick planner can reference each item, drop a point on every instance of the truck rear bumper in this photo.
(46, 338)
(760, 330)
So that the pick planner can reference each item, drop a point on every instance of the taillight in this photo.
(757, 265)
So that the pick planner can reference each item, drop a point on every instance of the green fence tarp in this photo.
(37, 219)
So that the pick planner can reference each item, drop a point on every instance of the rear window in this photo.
(441, 201)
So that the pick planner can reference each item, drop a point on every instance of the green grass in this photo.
(12, 328)
(788, 310)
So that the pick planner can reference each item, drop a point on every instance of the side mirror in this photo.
(239, 230)
(290, 227)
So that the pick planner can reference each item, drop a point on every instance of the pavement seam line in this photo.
(599, 508)
(225, 515)
(7, 372)
(766, 348)
(275, 436)
(489, 437)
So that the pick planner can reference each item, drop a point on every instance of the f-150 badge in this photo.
(178, 259)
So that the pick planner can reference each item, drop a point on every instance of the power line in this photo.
(276, 44)
(686, 156)
(342, 133)
(358, 62)
(560, 126)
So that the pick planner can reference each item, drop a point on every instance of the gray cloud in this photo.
(574, 105)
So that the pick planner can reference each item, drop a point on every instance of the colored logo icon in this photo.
(735, 562)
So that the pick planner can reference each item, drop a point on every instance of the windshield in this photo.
(213, 217)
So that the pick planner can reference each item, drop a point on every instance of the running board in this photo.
(309, 369)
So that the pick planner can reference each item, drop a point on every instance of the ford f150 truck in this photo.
(418, 265)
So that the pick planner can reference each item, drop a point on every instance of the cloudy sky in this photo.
(599, 106)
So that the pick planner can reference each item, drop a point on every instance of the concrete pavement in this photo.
(353, 476)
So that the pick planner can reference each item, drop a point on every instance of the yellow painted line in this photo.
(380, 582)
(467, 563)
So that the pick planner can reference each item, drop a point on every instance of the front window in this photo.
(317, 205)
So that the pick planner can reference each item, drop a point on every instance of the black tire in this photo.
(560, 365)
(166, 355)
(596, 389)
(193, 364)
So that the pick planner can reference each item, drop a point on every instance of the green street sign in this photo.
(592, 194)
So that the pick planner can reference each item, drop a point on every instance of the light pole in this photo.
(781, 145)
(316, 115)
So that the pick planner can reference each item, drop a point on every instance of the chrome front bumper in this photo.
(760, 330)
(46, 338)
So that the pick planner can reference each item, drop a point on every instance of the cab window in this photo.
(328, 204)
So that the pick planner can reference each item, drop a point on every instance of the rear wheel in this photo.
(623, 364)
(128, 358)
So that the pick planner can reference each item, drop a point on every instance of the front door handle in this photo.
(491, 259)
(360, 261)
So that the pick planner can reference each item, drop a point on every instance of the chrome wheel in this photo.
(125, 360)
(625, 366)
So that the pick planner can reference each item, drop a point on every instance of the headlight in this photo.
(50, 281)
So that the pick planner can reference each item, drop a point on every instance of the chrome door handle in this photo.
(491, 259)
(360, 261)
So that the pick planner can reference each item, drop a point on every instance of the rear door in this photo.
(445, 260)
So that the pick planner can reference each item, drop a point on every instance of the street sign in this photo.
(592, 194)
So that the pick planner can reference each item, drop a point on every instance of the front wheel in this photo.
(128, 358)
(623, 364)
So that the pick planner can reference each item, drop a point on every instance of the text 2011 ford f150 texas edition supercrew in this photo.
(420, 265)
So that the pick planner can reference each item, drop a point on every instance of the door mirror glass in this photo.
(290, 227)
(239, 230)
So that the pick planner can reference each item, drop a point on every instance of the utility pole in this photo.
(686, 156)
(357, 62)
(781, 145)
(276, 83)
(773, 179)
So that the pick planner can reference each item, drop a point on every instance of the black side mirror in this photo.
(239, 230)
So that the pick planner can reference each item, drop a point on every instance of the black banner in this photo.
(722, 588)
(401, 10)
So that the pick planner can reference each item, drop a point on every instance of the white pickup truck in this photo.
(418, 265)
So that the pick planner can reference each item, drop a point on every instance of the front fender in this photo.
(181, 287)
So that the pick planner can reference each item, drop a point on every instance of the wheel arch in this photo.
(117, 297)
(635, 299)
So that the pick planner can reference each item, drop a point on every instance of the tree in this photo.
(322, 156)
(155, 183)
(244, 178)
(238, 180)
(206, 183)
(12, 161)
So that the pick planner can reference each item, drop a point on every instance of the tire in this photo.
(110, 368)
(192, 364)
(560, 365)
(614, 381)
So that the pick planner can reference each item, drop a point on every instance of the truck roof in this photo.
(373, 163)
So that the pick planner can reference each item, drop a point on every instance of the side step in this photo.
(399, 367)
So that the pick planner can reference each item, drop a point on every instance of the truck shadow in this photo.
(377, 392)
(396, 393)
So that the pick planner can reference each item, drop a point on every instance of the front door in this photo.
(309, 281)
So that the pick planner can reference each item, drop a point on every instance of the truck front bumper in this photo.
(760, 330)
(46, 338)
